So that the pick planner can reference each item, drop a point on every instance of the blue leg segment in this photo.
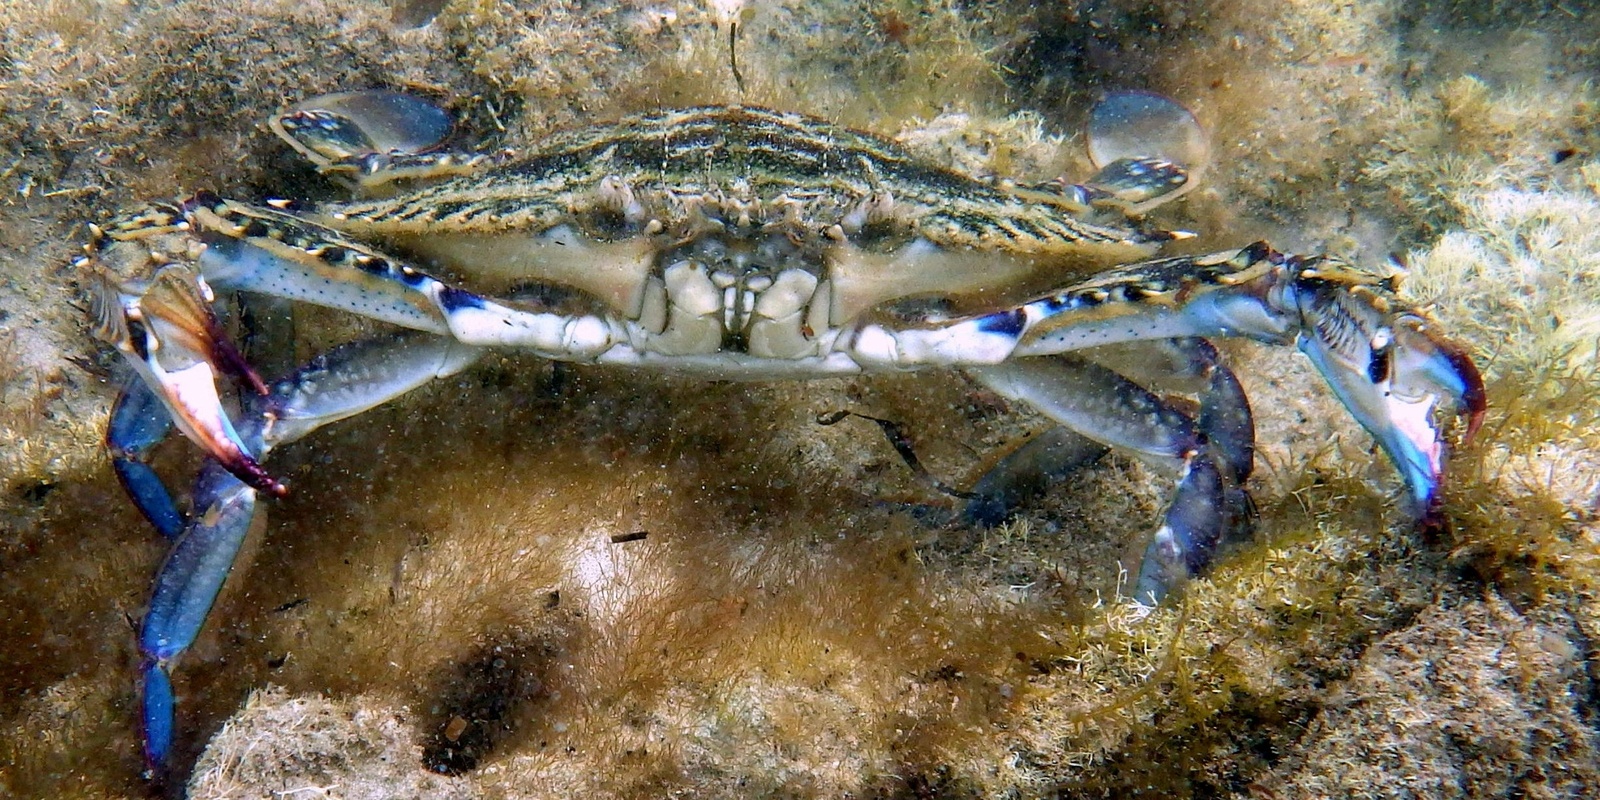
(156, 715)
(1189, 534)
(1028, 472)
(186, 587)
(1212, 455)
(1210, 505)
(139, 422)
(1225, 418)
(198, 564)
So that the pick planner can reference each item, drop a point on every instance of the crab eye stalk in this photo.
(1149, 149)
(344, 125)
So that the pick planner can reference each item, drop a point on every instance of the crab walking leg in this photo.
(1182, 547)
(1181, 365)
(341, 383)
(138, 423)
(1027, 473)
(1225, 416)
(1102, 405)
(188, 583)
(1382, 359)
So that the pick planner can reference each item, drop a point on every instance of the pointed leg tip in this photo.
(263, 482)
(1149, 597)
(157, 718)
(1474, 422)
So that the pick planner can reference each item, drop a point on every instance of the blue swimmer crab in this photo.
(730, 243)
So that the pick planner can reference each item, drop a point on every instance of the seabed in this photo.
(440, 609)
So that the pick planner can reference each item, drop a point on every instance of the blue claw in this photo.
(1413, 446)
(1225, 419)
(1390, 369)
(139, 422)
(1407, 372)
(170, 335)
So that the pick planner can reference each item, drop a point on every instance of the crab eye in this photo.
(1143, 125)
(347, 124)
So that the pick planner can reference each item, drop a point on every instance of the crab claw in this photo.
(166, 329)
(1391, 371)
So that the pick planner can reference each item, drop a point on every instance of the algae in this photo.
(442, 592)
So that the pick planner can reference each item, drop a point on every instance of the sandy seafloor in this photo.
(438, 609)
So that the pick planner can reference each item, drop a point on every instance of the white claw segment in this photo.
(588, 335)
(487, 324)
(166, 330)
(874, 346)
(970, 342)
(1391, 374)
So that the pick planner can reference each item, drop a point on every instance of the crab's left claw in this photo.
(166, 329)
(1391, 370)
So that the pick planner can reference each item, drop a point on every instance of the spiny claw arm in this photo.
(339, 384)
(165, 327)
(162, 321)
(1383, 359)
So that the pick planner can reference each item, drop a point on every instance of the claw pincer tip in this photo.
(1474, 400)
(250, 472)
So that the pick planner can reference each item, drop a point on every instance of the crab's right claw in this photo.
(1391, 370)
(166, 329)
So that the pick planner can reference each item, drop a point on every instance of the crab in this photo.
(729, 242)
